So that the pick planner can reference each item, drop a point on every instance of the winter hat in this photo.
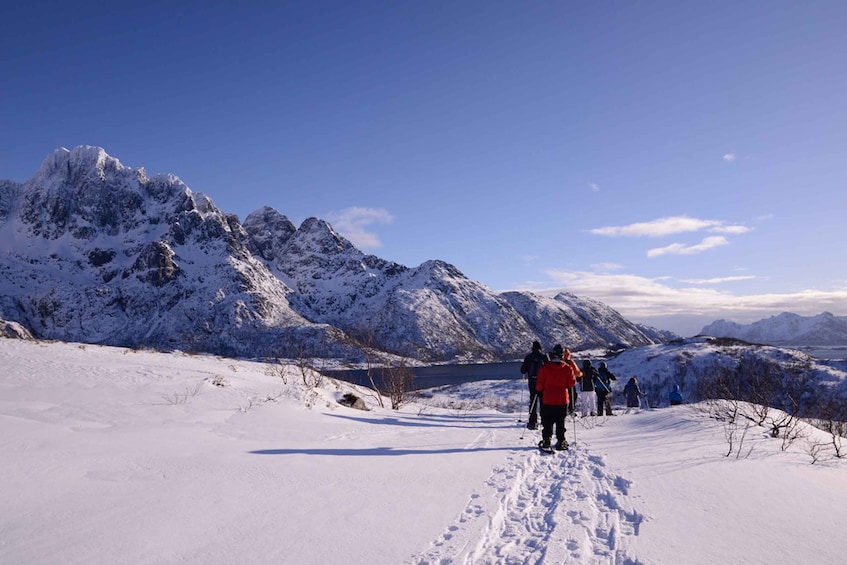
(536, 346)
(557, 351)
(586, 364)
(603, 365)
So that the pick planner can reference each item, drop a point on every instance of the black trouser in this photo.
(551, 415)
(534, 403)
(604, 401)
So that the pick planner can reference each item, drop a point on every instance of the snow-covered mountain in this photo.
(95, 251)
(432, 307)
(785, 329)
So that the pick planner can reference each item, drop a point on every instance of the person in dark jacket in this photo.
(554, 380)
(632, 393)
(587, 396)
(603, 387)
(532, 363)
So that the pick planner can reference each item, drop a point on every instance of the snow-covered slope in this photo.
(94, 251)
(692, 362)
(580, 323)
(120, 456)
(786, 329)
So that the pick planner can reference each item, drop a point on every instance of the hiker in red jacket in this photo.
(554, 380)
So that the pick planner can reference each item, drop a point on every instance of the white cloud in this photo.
(733, 230)
(594, 187)
(663, 227)
(682, 249)
(353, 222)
(729, 157)
(643, 299)
(606, 267)
(675, 225)
(719, 280)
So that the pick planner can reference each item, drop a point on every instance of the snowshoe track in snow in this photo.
(537, 508)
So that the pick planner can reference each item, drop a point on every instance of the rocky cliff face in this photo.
(94, 251)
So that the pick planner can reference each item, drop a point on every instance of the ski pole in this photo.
(531, 408)
(574, 427)
(523, 393)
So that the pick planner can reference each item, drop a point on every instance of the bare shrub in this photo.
(735, 434)
(398, 380)
(752, 389)
(816, 451)
(277, 368)
(254, 401)
(833, 420)
(786, 427)
(364, 340)
(176, 399)
(591, 422)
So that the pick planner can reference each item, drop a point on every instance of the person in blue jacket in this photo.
(675, 396)
(603, 388)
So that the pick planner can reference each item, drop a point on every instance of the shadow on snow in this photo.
(383, 451)
(438, 421)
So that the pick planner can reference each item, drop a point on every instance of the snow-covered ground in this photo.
(116, 456)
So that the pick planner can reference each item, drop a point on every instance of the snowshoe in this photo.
(544, 446)
(562, 446)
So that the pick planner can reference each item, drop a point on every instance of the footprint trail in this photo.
(534, 509)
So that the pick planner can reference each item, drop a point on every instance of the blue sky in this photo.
(679, 161)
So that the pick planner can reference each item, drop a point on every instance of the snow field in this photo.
(134, 457)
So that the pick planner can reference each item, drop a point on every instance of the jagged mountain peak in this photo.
(94, 251)
(79, 162)
(437, 267)
(84, 192)
(320, 236)
(81, 156)
(267, 215)
(269, 231)
(86, 168)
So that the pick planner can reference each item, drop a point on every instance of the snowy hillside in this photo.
(94, 251)
(121, 456)
(786, 329)
(694, 363)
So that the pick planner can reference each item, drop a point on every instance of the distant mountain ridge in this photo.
(785, 329)
(94, 251)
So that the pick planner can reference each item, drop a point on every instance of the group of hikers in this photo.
(553, 378)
